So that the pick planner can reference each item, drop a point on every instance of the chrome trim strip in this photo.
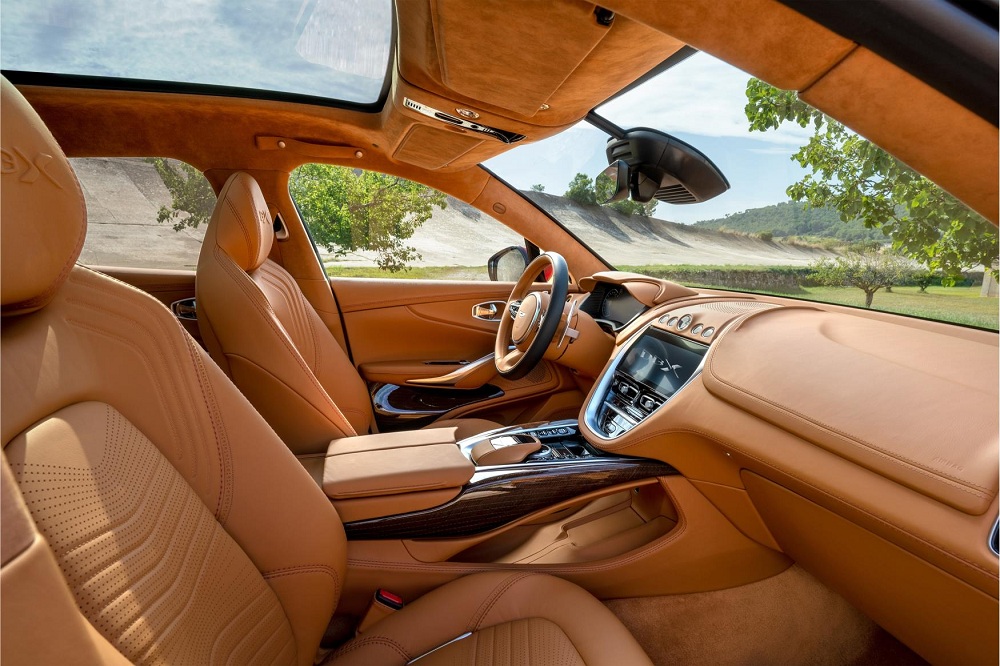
(440, 116)
(444, 645)
(993, 537)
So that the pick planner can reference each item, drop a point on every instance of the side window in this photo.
(369, 224)
(143, 212)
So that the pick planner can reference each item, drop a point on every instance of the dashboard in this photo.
(824, 428)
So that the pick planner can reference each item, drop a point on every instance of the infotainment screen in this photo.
(662, 361)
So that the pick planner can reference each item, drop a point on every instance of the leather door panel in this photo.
(393, 325)
(416, 320)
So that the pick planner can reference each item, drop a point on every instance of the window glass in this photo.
(814, 210)
(336, 49)
(143, 212)
(370, 224)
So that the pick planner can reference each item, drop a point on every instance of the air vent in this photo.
(675, 194)
(995, 538)
(737, 307)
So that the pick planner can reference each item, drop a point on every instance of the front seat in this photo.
(150, 515)
(263, 332)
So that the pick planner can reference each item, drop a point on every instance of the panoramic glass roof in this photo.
(334, 49)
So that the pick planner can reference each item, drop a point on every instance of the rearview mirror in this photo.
(663, 167)
(507, 264)
(612, 184)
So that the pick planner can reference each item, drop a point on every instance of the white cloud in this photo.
(701, 95)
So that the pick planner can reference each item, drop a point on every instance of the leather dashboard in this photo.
(872, 392)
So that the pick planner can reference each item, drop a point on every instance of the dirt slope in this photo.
(124, 195)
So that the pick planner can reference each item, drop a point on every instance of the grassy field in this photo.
(961, 305)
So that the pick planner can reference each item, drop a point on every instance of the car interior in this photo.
(254, 462)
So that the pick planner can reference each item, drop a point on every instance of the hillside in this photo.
(644, 241)
(793, 219)
(124, 195)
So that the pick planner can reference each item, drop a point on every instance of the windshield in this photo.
(335, 49)
(795, 177)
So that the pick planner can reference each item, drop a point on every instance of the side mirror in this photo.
(508, 264)
(612, 183)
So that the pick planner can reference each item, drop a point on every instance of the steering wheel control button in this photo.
(708, 332)
(671, 321)
(697, 329)
(684, 322)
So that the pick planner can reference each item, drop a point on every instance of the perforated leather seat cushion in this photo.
(516, 619)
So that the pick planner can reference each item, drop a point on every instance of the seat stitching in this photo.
(309, 403)
(223, 449)
(228, 265)
(239, 220)
(371, 640)
(256, 237)
(305, 569)
(497, 592)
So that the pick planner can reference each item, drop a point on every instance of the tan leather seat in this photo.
(264, 333)
(150, 515)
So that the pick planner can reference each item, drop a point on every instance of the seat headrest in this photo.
(242, 223)
(43, 217)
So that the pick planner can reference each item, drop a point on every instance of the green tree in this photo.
(861, 181)
(869, 271)
(537, 187)
(350, 210)
(192, 197)
(581, 190)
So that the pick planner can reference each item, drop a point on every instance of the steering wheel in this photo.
(525, 327)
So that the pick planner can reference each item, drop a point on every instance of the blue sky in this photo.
(700, 101)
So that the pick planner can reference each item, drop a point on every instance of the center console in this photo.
(562, 466)
(654, 366)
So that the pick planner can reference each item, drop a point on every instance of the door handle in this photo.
(488, 311)
(185, 309)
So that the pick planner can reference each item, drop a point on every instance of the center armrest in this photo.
(379, 475)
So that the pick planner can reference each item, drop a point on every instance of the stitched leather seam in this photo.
(498, 593)
(275, 276)
(138, 350)
(222, 448)
(227, 264)
(283, 383)
(959, 484)
(257, 237)
(251, 256)
(941, 549)
(305, 569)
(370, 640)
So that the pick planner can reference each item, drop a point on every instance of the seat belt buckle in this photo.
(383, 604)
